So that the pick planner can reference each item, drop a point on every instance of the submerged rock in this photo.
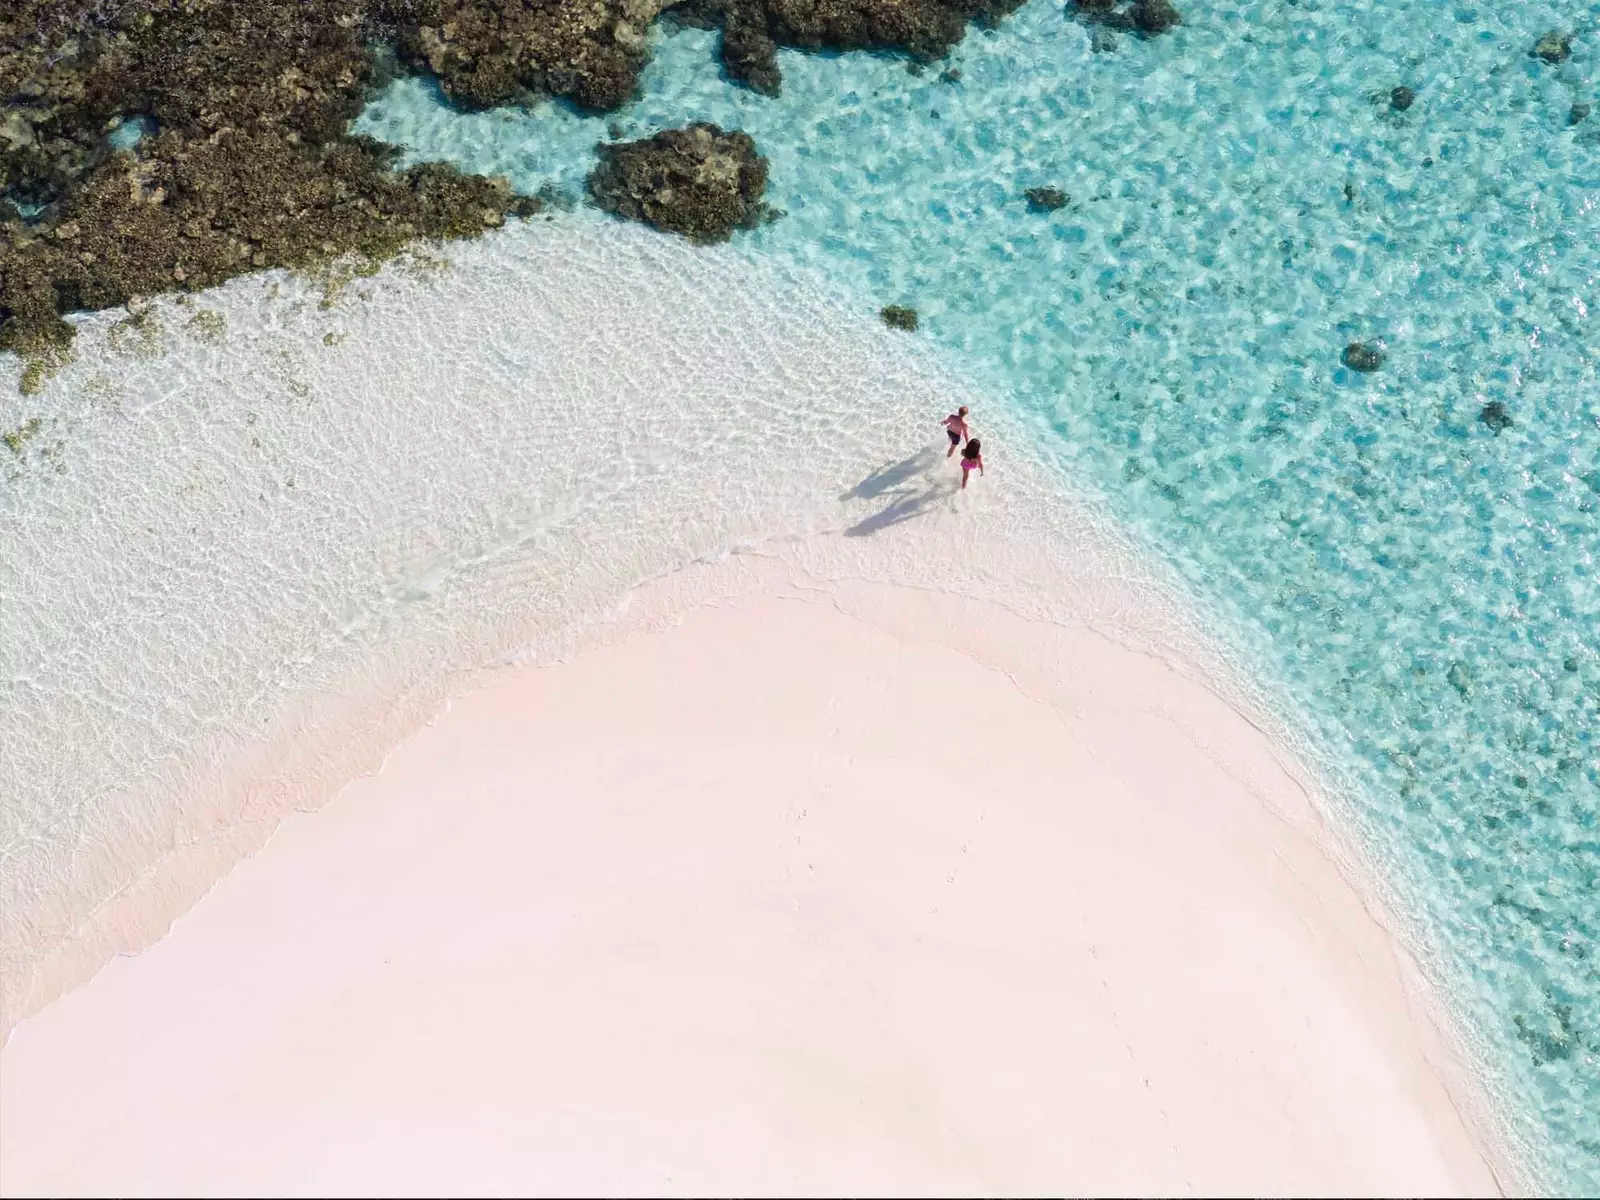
(253, 98)
(488, 52)
(1146, 17)
(1402, 98)
(752, 30)
(700, 182)
(1046, 199)
(245, 163)
(1553, 47)
(1362, 356)
(1154, 16)
(898, 316)
(1577, 113)
(1495, 416)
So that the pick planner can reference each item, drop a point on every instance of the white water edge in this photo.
(250, 539)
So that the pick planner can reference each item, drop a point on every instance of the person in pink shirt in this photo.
(956, 426)
(971, 457)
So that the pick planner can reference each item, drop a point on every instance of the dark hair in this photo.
(974, 448)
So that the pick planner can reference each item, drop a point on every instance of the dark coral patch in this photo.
(699, 181)
(1146, 17)
(1046, 199)
(752, 30)
(1496, 416)
(1554, 47)
(898, 316)
(1362, 356)
(489, 52)
(249, 165)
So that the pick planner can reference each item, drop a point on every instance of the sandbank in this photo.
(689, 791)
(815, 889)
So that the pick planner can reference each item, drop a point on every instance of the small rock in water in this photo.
(1359, 356)
(950, 75)
(1154, 16)
(1147, 17)
(1402, 98)
(898, 316)
(1578, 113)
(1553, 47)
(1102, 41)
(1495, 416)
(1046, 199)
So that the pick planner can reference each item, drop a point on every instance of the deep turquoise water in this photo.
(1244, 202)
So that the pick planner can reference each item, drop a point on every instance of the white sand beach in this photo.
(778, 901)
(830, 833)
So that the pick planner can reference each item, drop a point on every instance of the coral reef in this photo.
(249, 165)
(752, 30)
(1146, 17)
(1496, 416)
(153, 145)
(898, 316)
(699, 181)
(1553, 47)
(1045, 199)
(1362, 356)
(488, 52)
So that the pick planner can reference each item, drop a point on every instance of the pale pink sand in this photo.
(776, 901)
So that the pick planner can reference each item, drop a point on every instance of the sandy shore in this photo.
(838, 832)
(822, 889)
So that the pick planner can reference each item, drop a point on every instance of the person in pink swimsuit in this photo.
(971, 457)
(956, 425)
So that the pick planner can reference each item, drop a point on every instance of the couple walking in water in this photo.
(972, 453)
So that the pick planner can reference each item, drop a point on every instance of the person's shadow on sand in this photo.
(908, 487)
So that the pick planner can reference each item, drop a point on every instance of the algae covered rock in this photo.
(1496, 416)
(1145, 17)
(1045, 199)
(1362, 356)
(700, 181)
(1402, 98)
(752, 30)
(246, 166)
(1554, 47)
(898, 316)
(488, 52)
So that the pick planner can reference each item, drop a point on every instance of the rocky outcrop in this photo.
(197, 213)
(1496, 416)
(1362, 356)
(488, 52)
(1146, 17)
(699, 182)
(1045, 199)
(752, 30)
(898, 316)
(248, 167)
(248, 164)
(1554, 47)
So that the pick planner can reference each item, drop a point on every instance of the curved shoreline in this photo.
(1253, 989)
(795, 361)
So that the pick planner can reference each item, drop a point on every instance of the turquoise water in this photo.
(1244, 203)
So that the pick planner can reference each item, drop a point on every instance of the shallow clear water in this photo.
(1244, 201)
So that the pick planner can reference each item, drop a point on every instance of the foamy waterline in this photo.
(240, 568)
